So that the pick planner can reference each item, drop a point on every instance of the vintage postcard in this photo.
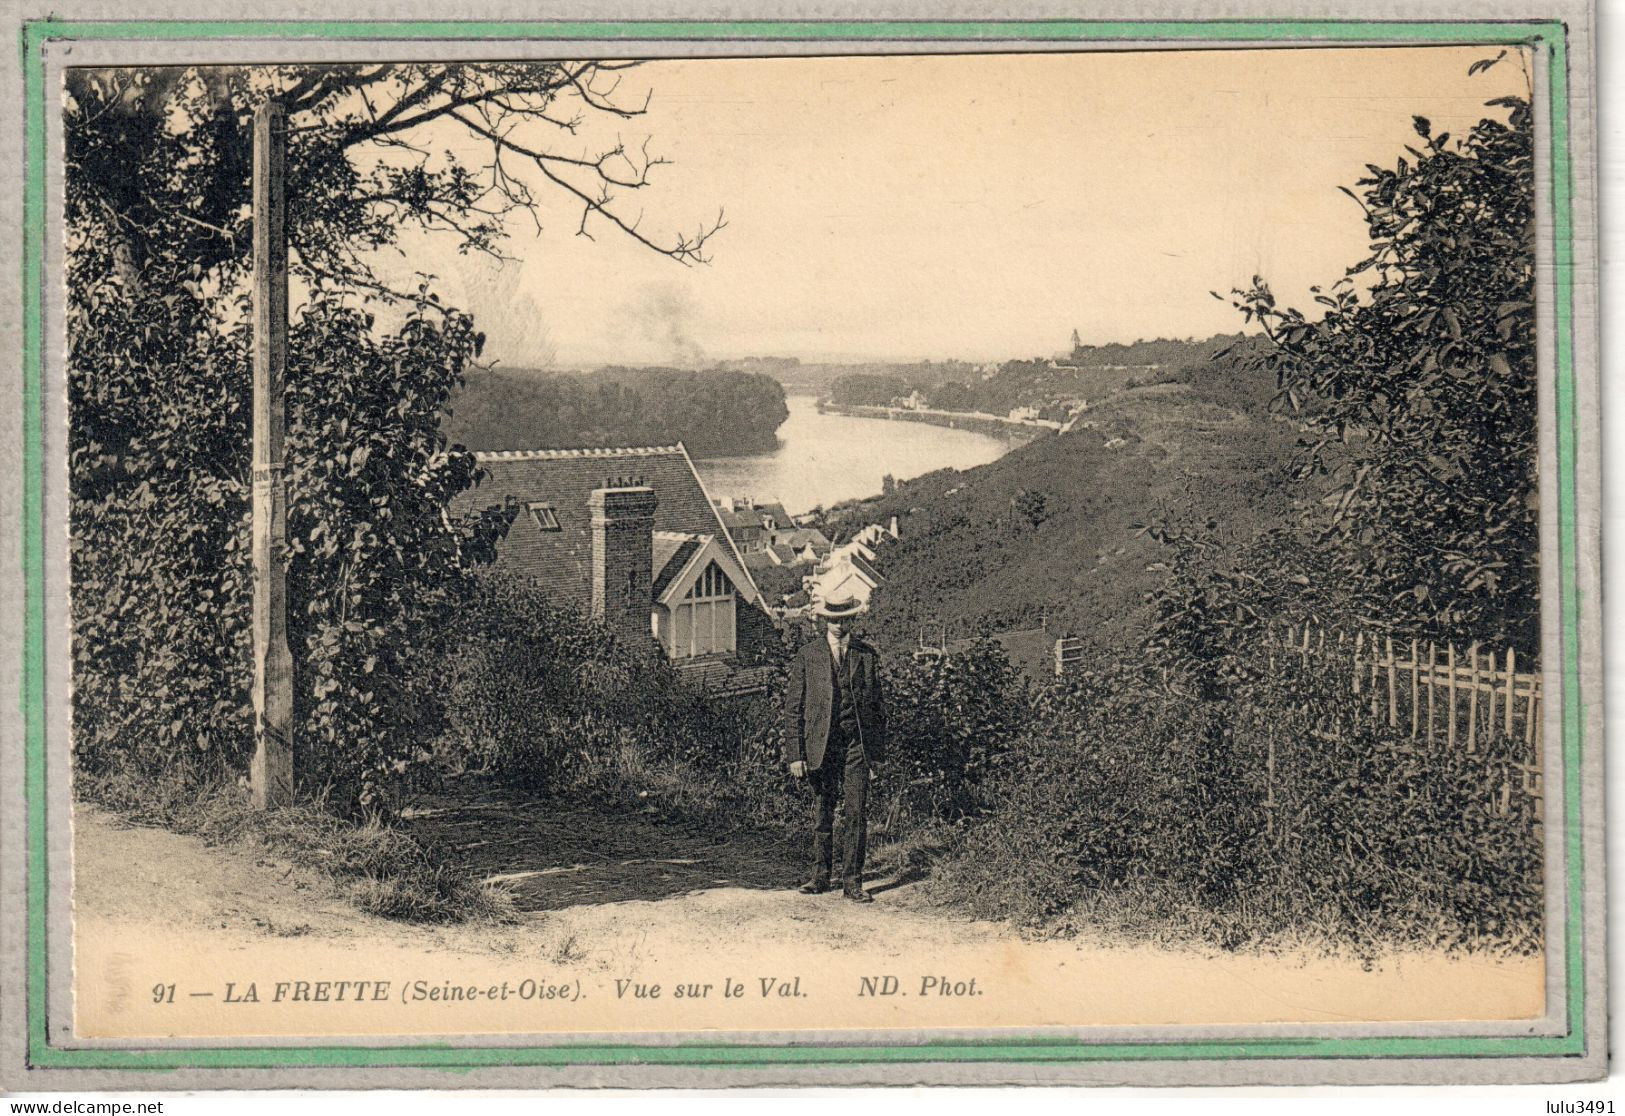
(761, 551)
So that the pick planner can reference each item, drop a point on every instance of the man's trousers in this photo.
(841, 790)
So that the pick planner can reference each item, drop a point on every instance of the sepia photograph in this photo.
(1036, 548)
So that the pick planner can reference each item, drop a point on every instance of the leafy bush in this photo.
(538, 696)
(950, 720)
(1417, 389)
(160, 519)
(1282, 814)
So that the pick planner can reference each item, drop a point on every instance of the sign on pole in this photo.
(271, 774)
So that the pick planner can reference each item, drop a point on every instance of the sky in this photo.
(965, 206)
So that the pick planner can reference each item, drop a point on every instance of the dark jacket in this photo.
(809, 701)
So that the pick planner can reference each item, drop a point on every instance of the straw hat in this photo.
(841, 608)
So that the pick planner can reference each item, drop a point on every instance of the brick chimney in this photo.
(623, 521)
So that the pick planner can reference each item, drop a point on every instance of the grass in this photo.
(377, 868)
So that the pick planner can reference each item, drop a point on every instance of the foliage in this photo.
(712, 412)
(1031, 507)
(867, 389)
(1418, 392)
(158, 228)
(1137, 810)
(950, 721)
(1090, 373)
(160, 521)
(537, 698)
(968, 552)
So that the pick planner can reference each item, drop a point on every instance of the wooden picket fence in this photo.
(1441, 693)
(1457, 697)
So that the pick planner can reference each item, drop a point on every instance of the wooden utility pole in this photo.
(271, 775)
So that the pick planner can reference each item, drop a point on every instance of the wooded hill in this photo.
(714, 412)
(1052, 528)
(1091, 372)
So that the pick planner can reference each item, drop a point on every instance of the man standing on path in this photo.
(834, 732)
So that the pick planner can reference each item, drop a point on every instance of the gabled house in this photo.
(809, 544)
(752, 525)
(849, 576)
(630, 537)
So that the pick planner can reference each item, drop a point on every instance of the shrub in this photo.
(539, 697)
(950, 720)
(1282, 813)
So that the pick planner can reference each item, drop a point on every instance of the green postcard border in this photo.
(41, 1054)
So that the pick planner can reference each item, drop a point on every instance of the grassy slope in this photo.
(1202, 446)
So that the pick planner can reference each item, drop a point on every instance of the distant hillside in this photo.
(714, 412)
(1049, 529)
(817, 377)
(1052, 387)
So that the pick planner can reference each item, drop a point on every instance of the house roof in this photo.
(804, 536)
(740, 516)
(857, 563)
(672, 551)
(560, 560)
(785, 554)
(692, 555)
(847, 567)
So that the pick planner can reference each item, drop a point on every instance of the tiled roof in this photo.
(560, 561)
(741, 516)
(802, 536)
(671, 553)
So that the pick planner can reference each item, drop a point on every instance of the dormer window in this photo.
(703, 621)
(545, 518)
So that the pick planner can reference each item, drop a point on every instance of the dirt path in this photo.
(553, 855)
(617, 904)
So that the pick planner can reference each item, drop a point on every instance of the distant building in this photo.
(752, 525)
(628, 537)
(808, 543)
(849, 576)
(852, 569)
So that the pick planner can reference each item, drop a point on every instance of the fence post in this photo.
(1359, 641)
(1472, 700)
(1433, 658)
(1450, 706)
(1057, 658)
(1416, 698)
(1376, 665)
(1393, 683)
(1512, 674)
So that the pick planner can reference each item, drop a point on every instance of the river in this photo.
(824, 459)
